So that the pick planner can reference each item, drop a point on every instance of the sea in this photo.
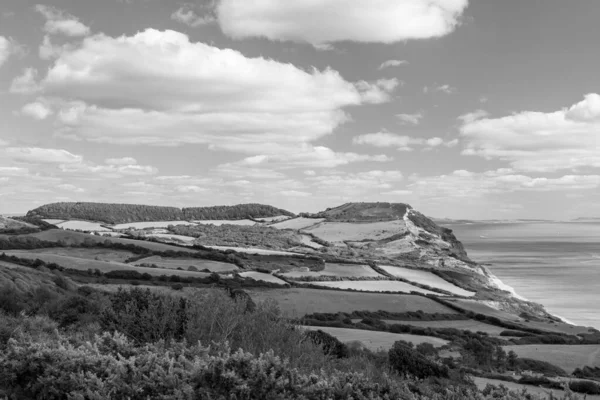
(556, 264)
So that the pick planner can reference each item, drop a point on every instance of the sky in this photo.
(480, 109)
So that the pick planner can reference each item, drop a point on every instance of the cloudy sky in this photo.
(464, 109)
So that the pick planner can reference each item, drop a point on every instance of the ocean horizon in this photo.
(556, 264)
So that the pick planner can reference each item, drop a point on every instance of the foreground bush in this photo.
(111, 366)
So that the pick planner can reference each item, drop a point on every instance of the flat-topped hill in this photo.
(123, 213)
(365, 212)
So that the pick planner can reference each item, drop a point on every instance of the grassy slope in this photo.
(377, 340)
(174, 263)
(108, 255)
(568, 357)
(297, 302)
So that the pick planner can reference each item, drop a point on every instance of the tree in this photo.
(512, 359)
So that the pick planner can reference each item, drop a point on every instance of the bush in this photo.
(542, 367)
(585, 387)
(407, 361)
(330, 344)
(177, 286)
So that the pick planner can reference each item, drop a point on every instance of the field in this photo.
(174, 263)
(466, 325)
(250, 250)
(108, 255)
(339, 270)
(218, 222)
(85, 264)
(297, 223)
(425, 278)
(151, 224)
(186, 240)
(261, 276)
(568, 357)
(338, 232)
(83, 226)
(308, 241)
(375, 286)
(483, 382)
(377, 340)
(297, 302)
(54, 221)
(276, 218)
(70, 237)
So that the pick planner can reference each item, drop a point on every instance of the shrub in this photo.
(330, 344)
(585, 387)
(177, 286)
(407, 361)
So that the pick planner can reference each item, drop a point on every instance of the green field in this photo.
(568, 357)
(374, 340)
(297, 302)
(338, 232)
(98, 254)
(375, 286)
(85, 264)
(185, 263)
(338, 270)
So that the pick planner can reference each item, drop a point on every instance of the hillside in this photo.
(10, 225)
(365, 212)
(124, 213)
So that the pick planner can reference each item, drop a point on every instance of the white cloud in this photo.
(108, 171)
(295, 193)
(392, 63)
(26, 82)
(473, 116)
(387, 21)
(190, 189)
(400, 142)
(355, 185)
(121, 161)
(70, 188)
(446, 89)
(37, 110)
(8, 47)
(537, 141)
(36, 155)
(141, 90)
(58, 21)
(466, 184)
(413, 119)
(186, 15)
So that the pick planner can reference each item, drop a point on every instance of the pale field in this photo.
(297, 223)
(71, 237)
(337, 232)
(151, 224)
(374, 340)
(250, 250)
(482, 308)
(308, 241)
(85, 264)
(54, 221)
(296, 302)
(174, 263)
(465, 325)
(187, 240)
(338, 270)
(82, 226)
(108, 255)
(568, 357)
(218, 222)
(375, 286)
(260, 276)
(426, 278)
(276, 218)
(517, 387)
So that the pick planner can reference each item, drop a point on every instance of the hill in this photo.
(365, 212)
(10, 225)
(124, 213)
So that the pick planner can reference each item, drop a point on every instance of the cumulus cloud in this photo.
(467, 184)
(8, 47)
(386, 21)
(70, 188)
(413, 119)
(108, 171)
(392, 63)
(26, 82)
(37, 155)
(37, 110)
(60, 22)
(473, 116)
(121, 161)
(535, 141)
(400, 142)
(188, 16)
(140, 89)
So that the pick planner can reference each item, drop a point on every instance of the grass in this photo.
(151, 224)
(25, 280)
(338, 232)
(333, 269)
(70, 237)
(260, 276)
(297, 223)
(466, 325)
(83, 226)
(219, 222)
(249, 250)
(296, 302)
(568, 357)
(375, 286)
(174, 263)
(425, 278)
(377, 340)
(82, 264)
(108, 255)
